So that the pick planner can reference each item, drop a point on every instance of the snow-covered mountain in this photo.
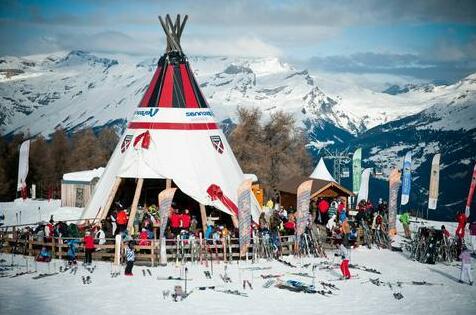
(78, 89)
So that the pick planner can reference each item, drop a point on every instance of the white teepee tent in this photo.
(321, 172)
(173, 135)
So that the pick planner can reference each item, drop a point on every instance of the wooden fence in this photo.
(183, 250)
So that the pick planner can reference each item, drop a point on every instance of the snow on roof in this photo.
(84, 176)
(253, 177)
(321, 172)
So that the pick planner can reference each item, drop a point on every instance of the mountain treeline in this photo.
(51, 158)
(273, 149)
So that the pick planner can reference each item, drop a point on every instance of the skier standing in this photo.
(465, 257)
(130, 258)
(88, 248)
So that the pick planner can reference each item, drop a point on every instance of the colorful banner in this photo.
(244, 215)
(23, 165)
(434, 182)
(364, 186)
(356, 170)
(165, 201)
(407, 178)
(394, 185)
(302, 211)
(471, 193)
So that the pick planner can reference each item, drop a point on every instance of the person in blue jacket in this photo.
(72, 251)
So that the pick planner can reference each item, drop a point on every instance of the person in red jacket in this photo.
(88, 248)
(121, 220)
(185, 217)
(143, 238)
(323, 206)
(461, 219)
(175, 222)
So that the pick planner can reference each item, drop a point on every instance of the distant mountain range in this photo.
(80, 89)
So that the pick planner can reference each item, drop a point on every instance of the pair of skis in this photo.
(148, 272)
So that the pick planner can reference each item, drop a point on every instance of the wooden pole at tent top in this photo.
(203, 215)
(110, 198)
(168, 183)
(135, 202)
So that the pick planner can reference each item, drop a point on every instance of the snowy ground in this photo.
(65, 293)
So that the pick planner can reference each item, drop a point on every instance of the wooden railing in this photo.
(11, 241)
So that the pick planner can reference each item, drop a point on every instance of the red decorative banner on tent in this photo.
(394, 185)
(302, 211)
(144, 139)
(165, 201)
(471, 193)
(244, 215)
(215, 192)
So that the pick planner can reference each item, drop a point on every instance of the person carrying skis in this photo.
(130, 258)
(465, 257)
(405, 219)
(88, 248)
(461, 219)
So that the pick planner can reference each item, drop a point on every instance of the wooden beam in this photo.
(234, 219)
(110, 198)
(135, 202)
(203, 214)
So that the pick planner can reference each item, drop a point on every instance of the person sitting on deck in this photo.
(122, 220)
(44, 255)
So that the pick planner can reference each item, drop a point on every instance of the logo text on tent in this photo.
(198, 114)
(148, 112)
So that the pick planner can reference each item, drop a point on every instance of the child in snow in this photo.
(465, 257)
(344, 265)
(130, 258)
(72, 251)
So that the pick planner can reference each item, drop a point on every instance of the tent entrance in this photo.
(147, 195)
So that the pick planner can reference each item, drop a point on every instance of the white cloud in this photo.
(245, 46)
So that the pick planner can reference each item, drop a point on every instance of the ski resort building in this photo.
(320, 189)
(78, 187)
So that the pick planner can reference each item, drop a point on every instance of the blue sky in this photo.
(434, 39)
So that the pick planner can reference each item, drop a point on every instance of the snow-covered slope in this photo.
(78, 89)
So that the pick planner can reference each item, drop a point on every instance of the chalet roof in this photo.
(318, 185)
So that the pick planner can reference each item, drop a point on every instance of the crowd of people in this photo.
(326, 214)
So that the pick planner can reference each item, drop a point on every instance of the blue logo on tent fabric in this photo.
(147, 112)
(198, 114)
